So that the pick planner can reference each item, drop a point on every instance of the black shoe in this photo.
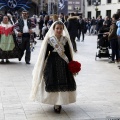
(75, 50)
(27, 62)
(82, 40)
(19, 59)
(58, 110)
(7, 61)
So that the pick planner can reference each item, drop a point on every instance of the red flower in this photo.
(74, 66)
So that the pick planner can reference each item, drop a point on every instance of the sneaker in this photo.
(111, 61)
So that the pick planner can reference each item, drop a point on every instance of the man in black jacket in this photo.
(25, 30)
(73, 29)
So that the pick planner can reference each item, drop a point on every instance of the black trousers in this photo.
(73, 43)
(41, 36)
(79, 33)
(114, 47)
(26, 46)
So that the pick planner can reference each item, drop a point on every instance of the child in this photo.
(53, 83)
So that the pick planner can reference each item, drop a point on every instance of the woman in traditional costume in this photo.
(8, 48)
(53, 83)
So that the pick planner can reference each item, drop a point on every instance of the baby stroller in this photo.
(103, 46)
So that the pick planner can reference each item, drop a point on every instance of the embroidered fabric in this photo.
(62, 42)
(57, 76)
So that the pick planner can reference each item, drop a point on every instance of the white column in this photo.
(49, 7)
(41, 5)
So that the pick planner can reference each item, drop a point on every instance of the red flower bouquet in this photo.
(74, 66)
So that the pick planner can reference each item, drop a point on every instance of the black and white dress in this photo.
(58, 86)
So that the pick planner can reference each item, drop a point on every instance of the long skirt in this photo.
(58, 86)
(9, 47)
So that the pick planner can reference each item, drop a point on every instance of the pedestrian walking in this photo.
(118, 34)
(40, 24)
(81, 28)
(112, 37)
(93, 26)
(72, 27)
(8, 46)
(53, 83)
(24, 31)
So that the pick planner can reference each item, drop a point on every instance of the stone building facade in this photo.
(76, 6)
(105, 8)
(51, 7)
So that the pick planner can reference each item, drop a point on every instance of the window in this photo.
(69, 7)
(98, 13)
(89, 2)
(77, 2)
(108, 1)
(89, 14)
(98, 2)
(108, 13)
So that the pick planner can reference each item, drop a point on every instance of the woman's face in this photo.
(5, 19)
(58, 30)
(113, 19)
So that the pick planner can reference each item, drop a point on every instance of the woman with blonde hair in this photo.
(55, 17)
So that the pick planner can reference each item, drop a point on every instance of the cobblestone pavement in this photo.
(98, 89)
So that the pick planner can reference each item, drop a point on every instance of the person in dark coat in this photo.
(99, 23)
(40, 23)
(93, 25)
(73, 29)
(81, 28)
(112, 37)
(107, 22)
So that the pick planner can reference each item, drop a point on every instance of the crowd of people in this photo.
(77, 26)
(16, 35)
(53, 82)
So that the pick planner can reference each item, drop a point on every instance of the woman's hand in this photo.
(75, 74)
(19, 34)
(30, 31)
(12, 33)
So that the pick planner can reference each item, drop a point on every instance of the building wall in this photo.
(74, 6)
(114, 6)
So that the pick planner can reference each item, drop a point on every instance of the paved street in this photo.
(98, 89)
